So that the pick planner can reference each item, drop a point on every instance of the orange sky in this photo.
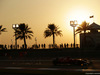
(39, 13)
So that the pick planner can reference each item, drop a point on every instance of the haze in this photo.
(39, 13)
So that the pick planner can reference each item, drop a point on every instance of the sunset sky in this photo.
(39, 13)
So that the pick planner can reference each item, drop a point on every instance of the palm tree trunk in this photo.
(25, 42)
(53, 40)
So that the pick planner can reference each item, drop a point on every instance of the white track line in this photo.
(51, 69)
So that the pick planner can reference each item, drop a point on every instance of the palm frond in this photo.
(18, 32)
(29, 37)
(56, 28)
(52, 27)
(29, 31)
(78, 32)
(20, 37)
(3, 30)
(82, 27)
(0, 27)
(79, 28)
(23, 31)
(58, 33)
(47, 33)
(30, 34)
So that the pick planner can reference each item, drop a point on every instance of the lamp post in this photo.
(74, 24)
(15, 27)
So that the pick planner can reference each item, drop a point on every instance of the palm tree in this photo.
(2, 29)
(24, 32)
(82, 27)
(52, 30)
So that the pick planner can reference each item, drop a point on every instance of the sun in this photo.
(80, 15)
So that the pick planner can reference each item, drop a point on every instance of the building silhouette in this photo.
(92, 37)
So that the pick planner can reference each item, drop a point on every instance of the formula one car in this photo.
(70, 61)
